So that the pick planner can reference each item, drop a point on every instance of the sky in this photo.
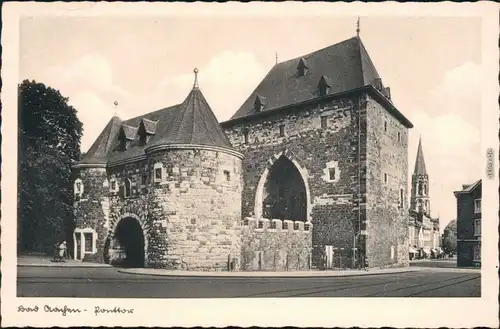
(431, 64)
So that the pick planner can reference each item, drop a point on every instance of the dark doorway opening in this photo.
(130, 237)
(285, 192)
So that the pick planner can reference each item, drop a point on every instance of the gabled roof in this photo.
(419, 161)
(469, 188)
(347, 64)
(149, 126)
(128, 132)
(191, 122)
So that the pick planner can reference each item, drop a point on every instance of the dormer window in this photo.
(147, 128)
(324, 85)
(302, 67)
(259, 103)
(126, 136)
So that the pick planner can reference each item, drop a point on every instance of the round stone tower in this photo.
(195, 207)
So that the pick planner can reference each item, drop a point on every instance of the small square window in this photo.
(282, 130)
(157, 173)
(273, 225)
(261, 224)
(227, 173)
(385, 126)
(306, 227)
(295, 226)
(285, 225)
(245, 222)
(332, 173)
(193, 221)
(324, 122)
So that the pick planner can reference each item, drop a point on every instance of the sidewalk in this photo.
(301, 274)
(45, 261)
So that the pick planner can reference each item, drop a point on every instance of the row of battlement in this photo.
(276, 224)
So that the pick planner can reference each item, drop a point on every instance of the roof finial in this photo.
(276, 57)
(195, 85)
(116, 105)
(357, 27)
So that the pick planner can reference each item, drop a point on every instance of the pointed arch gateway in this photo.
(283, 190)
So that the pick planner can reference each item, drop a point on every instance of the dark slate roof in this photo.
(103, 144)
(194, 123)
(346, 65)
(468, 188)
(419, 161)
(149, 126)
(191, 122)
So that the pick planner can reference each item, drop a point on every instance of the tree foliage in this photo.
(450, 237)
(49, 143)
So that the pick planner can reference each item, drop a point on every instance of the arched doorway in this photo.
(284, 192)
(130, 237)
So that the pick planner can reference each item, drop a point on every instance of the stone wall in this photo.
(200, 199)
(91, 208)
(313, 148)
(268, 245)
(387, 174)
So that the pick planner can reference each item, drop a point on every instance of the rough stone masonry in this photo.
(310, 172)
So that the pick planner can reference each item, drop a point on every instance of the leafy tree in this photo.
(450, 237)
(49, 143)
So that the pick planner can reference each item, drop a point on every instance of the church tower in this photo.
(420, 201)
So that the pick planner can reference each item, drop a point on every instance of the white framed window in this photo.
(127, 188)
(86, 240)
(78, 187)
(331, 173)
(158, 172)
(477, 253)
(477, 206)
(477, 227)
(113, 186)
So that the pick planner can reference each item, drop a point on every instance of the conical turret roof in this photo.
(194, 123)
(420, 162)
(103, 144)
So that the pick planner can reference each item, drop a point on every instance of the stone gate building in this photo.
(310, 172)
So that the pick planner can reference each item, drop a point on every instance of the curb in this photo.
(65, 266)
(215, 275)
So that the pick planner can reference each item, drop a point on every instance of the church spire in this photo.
(420, 162)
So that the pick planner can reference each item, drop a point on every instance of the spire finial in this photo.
(276, 57)
(357, 27)
(195, 84)
(116, 106)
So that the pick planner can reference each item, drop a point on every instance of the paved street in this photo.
(108, 282)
